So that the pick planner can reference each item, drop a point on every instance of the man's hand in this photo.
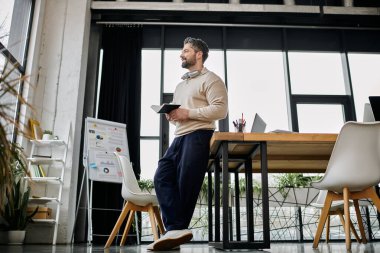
(179, 114)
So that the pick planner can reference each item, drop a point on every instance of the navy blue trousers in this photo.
(179, 177)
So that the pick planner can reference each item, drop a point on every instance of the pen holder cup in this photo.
(240, 128)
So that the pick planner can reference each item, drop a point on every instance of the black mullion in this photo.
(28, 34)
(11, 58)
(320, 99)
(164, 129)
(146, 137)
(223, 124)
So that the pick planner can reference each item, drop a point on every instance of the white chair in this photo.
(136, 200)
(353, 170)
(337, 208)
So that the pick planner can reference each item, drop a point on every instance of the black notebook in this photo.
(164, 108)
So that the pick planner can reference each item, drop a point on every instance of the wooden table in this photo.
(258, 153)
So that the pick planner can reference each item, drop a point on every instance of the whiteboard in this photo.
(102, 139)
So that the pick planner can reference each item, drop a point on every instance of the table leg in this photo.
(264, 184)
(209, 197)
(225, 194)
(249, 199)
(217, 198)
(237, 206)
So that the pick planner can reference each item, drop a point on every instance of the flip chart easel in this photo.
(101, 139)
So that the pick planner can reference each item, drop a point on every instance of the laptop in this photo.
(258, 125)
(368, 114)
(375, 104)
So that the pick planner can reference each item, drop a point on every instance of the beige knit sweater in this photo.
(206, 98)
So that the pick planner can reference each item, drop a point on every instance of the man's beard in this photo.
(188, 63)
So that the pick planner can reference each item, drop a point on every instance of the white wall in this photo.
(57, 63)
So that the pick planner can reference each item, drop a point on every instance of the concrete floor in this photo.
(196, 248)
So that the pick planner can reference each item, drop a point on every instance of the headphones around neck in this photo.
(192, 74)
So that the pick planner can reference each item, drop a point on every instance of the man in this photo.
(178, 179)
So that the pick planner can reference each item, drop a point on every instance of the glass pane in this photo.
(14, 24)
(256, 85)
(173, 70)
(317, 118)
(2, 62)
(7, 94)
(6, 12)
(150, 91)
(215, 63)
(365, 77)
(316, 73)
(149, 151)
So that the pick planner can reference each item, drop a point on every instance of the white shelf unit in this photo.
(59, 164)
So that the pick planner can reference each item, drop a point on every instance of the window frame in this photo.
(343, 100)
(20, 66)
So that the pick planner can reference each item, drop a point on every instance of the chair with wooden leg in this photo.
(337, 208)
(136, 200)
(352, 172)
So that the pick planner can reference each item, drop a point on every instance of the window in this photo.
(256, 85)
(6, 12)
(149, 156)
(14, 27)
(318, 92)
(365, 77)
(150, 92)
(316, 73)
(172, 69)
(8, 98)
(318, 118)
(150, 124)
(14, 31)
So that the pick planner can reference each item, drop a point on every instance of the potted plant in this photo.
(47, 135)
(9, 152)
(15, 217)
(295, 190)
(146, 185)
(294, 180)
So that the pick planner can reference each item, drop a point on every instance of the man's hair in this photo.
(198, 45)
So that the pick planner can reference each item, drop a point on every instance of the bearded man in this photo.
(203, 98)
